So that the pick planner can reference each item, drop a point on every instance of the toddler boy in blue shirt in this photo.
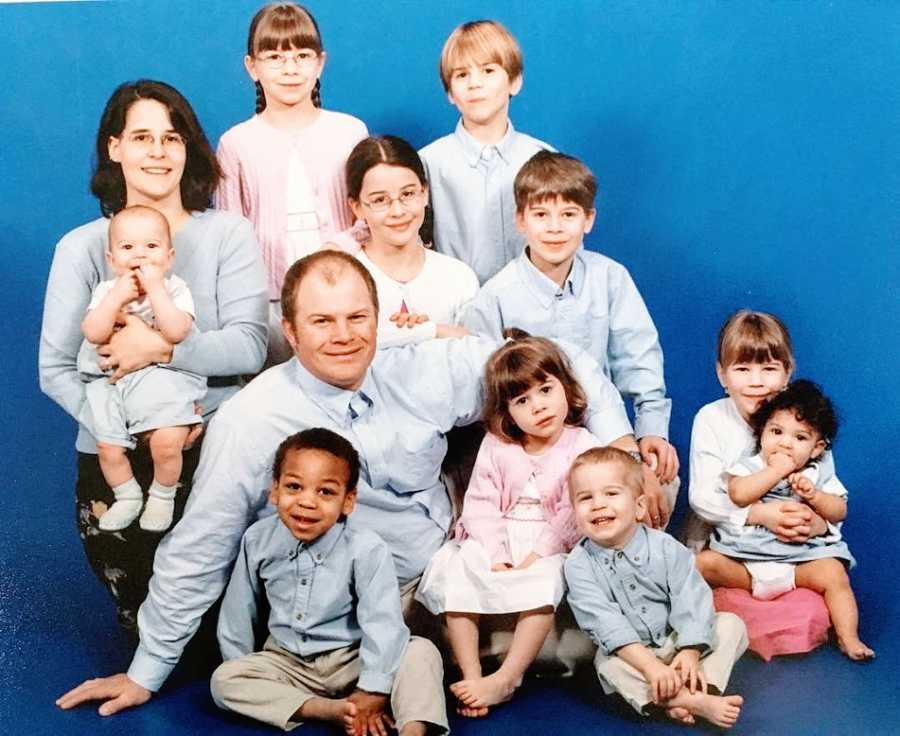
(557, 289)
(337, 644)
(471, 171)
(636, 592)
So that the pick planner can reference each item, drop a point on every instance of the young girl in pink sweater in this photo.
(283, 169)
(516, 524)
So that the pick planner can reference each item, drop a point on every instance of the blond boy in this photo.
(636, 592)
(471, 171)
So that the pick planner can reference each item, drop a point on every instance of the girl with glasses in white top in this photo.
(421, 293)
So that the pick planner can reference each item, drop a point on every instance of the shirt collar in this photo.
(337, 403)
(319, 549)
(473, 149)
(542, 287)
(635, 550)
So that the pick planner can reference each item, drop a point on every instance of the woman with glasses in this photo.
(284, 167)
(151, 151)
(421, 293)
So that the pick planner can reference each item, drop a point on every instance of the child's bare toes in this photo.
(470, 712)
(856, 649)
(682, 715)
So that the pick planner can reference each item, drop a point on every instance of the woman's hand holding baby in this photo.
(133, 347)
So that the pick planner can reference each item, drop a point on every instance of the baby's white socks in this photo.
(157, 516)
(126, 508)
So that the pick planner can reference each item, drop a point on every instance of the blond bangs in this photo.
(480, 42)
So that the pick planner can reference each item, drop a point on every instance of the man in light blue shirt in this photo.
(471, 171)
(556, 289)
(395, 408)
(337, 643)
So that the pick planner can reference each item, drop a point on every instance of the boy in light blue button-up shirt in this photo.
(337, 643)
(557, 289)
(636, 592)
(471, 171)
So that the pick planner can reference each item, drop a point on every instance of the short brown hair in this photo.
(514, 368)
(754, 337)
(139, 209)
(330, 264)
(548, 175)
(634, 472)
(484, 42)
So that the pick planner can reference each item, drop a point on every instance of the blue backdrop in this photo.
(748, 155)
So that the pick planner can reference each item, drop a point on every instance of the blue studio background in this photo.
(748, 155)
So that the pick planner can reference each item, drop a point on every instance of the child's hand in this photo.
(687, 664)
(370, 716)
(664, 682)
(802, 486)
(528, 561)
(781, 463)
(408, 319)
(151, 278)
(127, 288)
(501, 567)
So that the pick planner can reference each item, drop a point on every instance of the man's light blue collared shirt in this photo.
(471, 189)
(397, 420)
(641, 593)
(599, 309)
(339, 590)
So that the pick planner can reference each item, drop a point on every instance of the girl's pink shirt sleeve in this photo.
(483, 506)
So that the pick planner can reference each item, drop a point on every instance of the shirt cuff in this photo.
(701, 636)
(147, 671)
(375, 682)
(651, 424)
(609, 424)
(616, 639)
(182, 351)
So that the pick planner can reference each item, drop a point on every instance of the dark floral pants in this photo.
(123, 560)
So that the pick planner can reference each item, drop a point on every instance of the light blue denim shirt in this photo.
(599, 309)
(397, 421)
(640, 594)
(471, 190)
(336, 591)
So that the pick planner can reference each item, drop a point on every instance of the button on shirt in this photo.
(599, 309)
(640, 594)
(471, 189)
(409, 399)
(336, 591)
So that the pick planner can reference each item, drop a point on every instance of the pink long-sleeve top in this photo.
(255, 156)
(501, 472)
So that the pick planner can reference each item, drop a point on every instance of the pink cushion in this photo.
(792, 623)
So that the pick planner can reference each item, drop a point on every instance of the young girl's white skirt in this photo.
(459, 579)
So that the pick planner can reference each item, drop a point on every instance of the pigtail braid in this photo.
(260, 99)
(317, 94)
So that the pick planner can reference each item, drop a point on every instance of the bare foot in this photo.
(855, 649)
(682, 715)
(472, 712)
(722, 711)
(484, 691)
(339, 712)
